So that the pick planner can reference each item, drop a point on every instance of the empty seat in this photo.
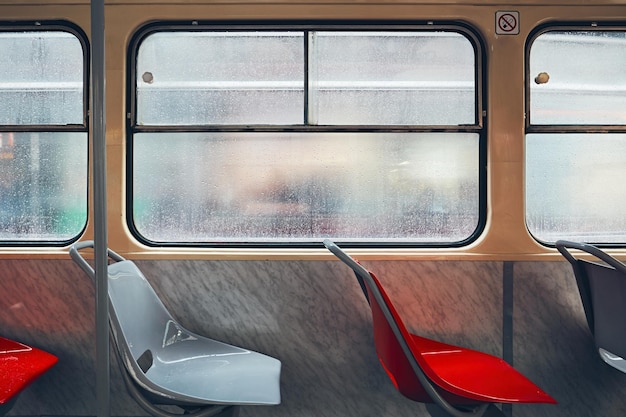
(602, 289)
(20, 365)
(168, 365)
(450, 380)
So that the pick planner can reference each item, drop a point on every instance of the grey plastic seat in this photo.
(602, 288)
(168, 365)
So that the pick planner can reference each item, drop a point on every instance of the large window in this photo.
(576, 135)
(279, 135)
(43, 134)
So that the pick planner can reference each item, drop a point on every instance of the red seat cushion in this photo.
(468, 376)
(19, 366)
(476, 375)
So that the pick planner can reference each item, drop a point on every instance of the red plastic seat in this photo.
(20, 365)
(456, 381)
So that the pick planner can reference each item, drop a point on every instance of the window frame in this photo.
(528, 79)
(479, 127)
(530, 128)
(83, 127)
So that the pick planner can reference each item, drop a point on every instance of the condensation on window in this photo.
(199, 78)
(392, 78)
(353, 78)
(43, 173)
(264, 187)
(41, 78)
(575, 187)
(270, 168)
(577, 78)
(43, 185)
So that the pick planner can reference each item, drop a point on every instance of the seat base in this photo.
(7, 406)
(199, 410)
(490, 411)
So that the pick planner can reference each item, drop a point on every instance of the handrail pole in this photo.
(98, 103)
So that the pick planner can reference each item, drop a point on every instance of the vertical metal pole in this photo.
(507, 321)
(100, 207)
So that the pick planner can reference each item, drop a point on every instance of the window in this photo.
(271, 135)
(43, 134)
(576, 135)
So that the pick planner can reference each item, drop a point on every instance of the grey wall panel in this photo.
(313, 317)
(553, 346)
(50, 305)
(454, 302)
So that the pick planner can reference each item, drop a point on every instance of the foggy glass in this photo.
(575, 187)
(41, 78)
(587, 81)
(196, 78)
(354, 78)
(301, 186)
(43, 185)
(43, 175)
(392, 78)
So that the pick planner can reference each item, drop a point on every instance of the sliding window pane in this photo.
(575, 187)
(392, 78)
(200, 78)
(578, 78)
(43, 185)
(41, 78)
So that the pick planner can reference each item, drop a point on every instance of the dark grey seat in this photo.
(602, 288)
(166, 364)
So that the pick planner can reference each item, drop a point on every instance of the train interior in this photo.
(503, 292)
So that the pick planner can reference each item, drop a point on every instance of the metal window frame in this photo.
(66, 27)
(479, 125)
(559, 26)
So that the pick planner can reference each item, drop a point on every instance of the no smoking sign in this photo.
(507, 23)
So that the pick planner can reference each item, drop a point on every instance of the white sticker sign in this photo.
(507, 23)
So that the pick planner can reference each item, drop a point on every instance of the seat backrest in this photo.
(602, 288)
(389, 349)
(395, 346)
(136, 314)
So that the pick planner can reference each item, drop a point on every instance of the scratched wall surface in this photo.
(554, 345)
(313, 317)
